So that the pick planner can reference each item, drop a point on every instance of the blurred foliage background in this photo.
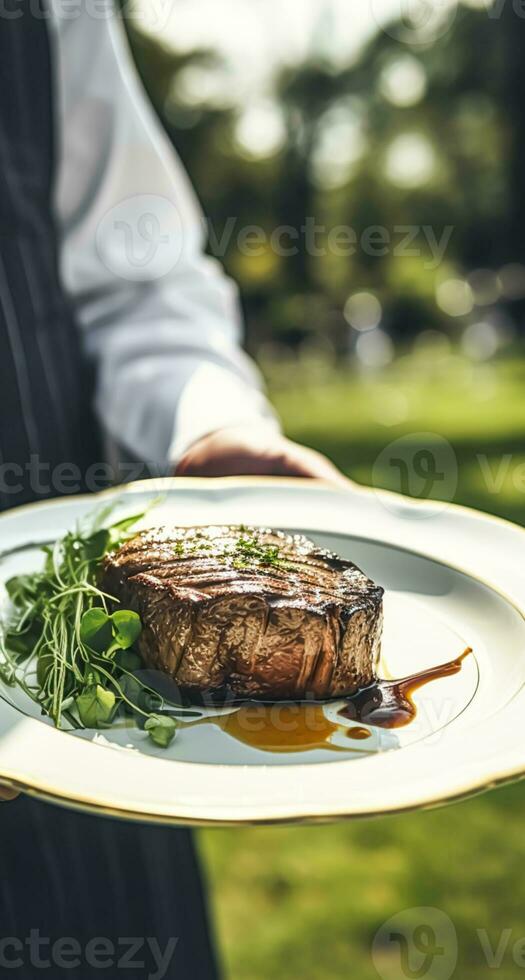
(390, 299)
(426, 135)
(401, 316)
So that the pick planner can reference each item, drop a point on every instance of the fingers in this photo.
(229, 452)
(301, 461)
(256, 452)
(6, 793)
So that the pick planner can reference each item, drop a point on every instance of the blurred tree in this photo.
(514, 98)
(428, 137)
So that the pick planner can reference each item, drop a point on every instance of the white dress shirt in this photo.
(160, 318)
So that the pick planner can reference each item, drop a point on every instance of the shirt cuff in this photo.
(215, 398)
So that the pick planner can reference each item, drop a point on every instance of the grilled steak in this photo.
(255, 612)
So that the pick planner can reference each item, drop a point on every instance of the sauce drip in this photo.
(303, 726)
(390, 704)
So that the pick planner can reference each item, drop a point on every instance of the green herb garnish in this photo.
(247, 551)
(252, 550)
(66, 648)
(96, 706)
(161, 730)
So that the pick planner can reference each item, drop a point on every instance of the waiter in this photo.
(115, 331)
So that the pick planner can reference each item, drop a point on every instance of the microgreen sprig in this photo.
(66, 646)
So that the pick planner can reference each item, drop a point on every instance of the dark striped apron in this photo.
(133, 888)
(44, 396)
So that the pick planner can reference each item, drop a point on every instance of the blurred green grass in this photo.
(306, 901)
(478, 408)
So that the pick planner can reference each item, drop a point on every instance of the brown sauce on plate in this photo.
(358, 734)
(303, 726)
(280, 727)
(390, 704)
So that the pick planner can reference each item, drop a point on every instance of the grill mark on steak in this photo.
(306, 624)
(211, 584)
(209, 576)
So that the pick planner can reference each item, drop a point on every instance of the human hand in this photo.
(6, 793)
(257, 452)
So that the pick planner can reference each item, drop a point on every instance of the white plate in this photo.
(453, 578)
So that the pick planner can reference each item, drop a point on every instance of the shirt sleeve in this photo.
(160, 319)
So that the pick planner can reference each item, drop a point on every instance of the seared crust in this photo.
(305, 625)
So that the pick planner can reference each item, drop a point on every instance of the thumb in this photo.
(6, 793)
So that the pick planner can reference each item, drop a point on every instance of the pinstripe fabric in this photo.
(65, 874)
(44, 390)
(73, 875)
